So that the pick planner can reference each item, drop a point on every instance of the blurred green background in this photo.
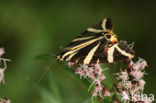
(32, 27)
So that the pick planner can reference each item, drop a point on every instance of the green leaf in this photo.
(107, 99)
(88, 100)
(49, 95)
(54, 87)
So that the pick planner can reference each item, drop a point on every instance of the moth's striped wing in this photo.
(103, 26)
(89, 46)
(86, 54)
(85, 39)
(95, 53)
(99, 31)
(119, 51)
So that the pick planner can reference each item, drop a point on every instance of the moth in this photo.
(97, 44)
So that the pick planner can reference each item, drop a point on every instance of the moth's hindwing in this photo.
(119, 51)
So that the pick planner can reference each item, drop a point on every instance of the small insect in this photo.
(97, 44)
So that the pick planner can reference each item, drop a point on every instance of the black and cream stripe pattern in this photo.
(119, 51)
(98, 44)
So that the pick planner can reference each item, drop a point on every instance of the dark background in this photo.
(32, 27)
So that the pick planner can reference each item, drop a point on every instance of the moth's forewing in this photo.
(90, 46)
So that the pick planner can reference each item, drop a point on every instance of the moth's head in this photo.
(112, 38)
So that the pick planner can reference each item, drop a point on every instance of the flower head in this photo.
(2, 70)
(1, 51)
(93, 72)
(5, 100)
(130, 81)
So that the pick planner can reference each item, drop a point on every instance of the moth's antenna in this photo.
(131, 45)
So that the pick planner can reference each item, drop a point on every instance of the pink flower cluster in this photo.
(129, 86)
(95, 73)
(130, 82)
(2, 70)
(4, 100)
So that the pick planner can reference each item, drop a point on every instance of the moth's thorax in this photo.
(113, 39)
